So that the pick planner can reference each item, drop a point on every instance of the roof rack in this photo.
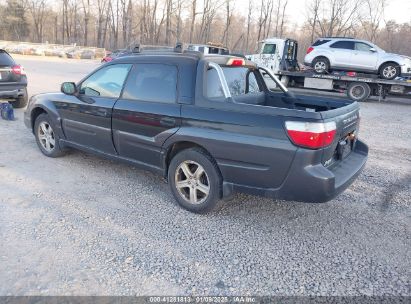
(337, 37)
(138, 48)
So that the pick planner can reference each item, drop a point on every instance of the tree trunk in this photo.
(247, 40)
(193, 19)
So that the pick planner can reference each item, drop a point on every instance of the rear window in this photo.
(320, 42)
(5, 59)
(240, 81)
(152, 82)
(343, 44)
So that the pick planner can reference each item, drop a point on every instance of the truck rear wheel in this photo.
(285, 80)
(358, 91)
(321, 65)
(195, 180)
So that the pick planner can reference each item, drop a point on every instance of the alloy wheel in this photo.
(46, 136)
(389, 71)
(192, 182)
(320, 66)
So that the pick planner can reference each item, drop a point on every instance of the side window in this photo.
(106, 82)
(152, 82)
(269, 49)
(214, 87)
(360, 46)
(253, 86)
(5, 59)
(343, 44)
(320, 42)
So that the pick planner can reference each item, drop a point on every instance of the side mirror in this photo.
(373, 50)
(68, 88)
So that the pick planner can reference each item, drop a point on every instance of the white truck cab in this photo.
(210, 48)
(276, 54)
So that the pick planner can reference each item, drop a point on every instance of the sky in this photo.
(398, 10)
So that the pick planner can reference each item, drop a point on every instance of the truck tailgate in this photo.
(347, 120)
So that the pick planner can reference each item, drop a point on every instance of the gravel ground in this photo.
(82, 225)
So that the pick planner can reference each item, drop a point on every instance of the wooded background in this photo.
(121, 23)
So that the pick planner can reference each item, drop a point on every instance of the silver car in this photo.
(355, 55)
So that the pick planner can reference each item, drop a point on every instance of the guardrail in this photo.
(47, 49)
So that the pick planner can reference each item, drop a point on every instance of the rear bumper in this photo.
(12, 91)
(313, 183)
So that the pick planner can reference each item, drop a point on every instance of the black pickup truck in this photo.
(208, 124)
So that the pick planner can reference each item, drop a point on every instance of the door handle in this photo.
(168, 121)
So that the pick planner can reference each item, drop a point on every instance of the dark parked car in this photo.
(209, 124)
(13, 81)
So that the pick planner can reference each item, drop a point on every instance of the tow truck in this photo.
(280, 57)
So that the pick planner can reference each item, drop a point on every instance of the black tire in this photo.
(358, 91)
(21, 101)
(55, 149)
(211, 178)
(390, 70)
(321, 65)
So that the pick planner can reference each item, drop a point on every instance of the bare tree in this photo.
(86, 12)
(179, 12)
(247, 41)
(334, 17)
(312, 10)
(282, 23)
(373, 16)
(193, 18)
(37, 9)
(229, 16)
(265, 9)
(169, 8)
(102, 21)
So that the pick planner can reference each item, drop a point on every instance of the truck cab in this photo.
(210, 48)
(276, 54)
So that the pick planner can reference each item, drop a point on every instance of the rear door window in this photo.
(5, 59)
(152, 82)
(361, 46)
(343, 44)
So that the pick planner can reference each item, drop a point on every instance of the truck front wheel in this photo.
(358, 91)
(390, 70)
(46, 137)
(195, 180)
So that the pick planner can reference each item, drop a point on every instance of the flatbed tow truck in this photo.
(280, 56)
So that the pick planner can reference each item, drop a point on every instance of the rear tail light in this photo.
(309, 50)
(18, 70)
(311, 135)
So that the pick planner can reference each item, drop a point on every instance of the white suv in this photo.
(355, 55)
